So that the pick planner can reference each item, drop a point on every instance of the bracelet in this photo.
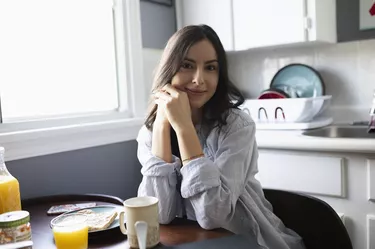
(193, 157)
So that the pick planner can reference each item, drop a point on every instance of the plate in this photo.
(300, 80)
(273, 93)
(99, 209)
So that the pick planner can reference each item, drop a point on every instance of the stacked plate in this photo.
(295, 81)
(296, 95)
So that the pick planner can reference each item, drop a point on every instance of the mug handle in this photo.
(122, 226)
(141, 229)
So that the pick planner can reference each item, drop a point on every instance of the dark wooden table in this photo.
(178, 232)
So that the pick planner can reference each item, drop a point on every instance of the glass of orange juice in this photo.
(71, 231)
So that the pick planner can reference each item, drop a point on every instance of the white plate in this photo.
(99, 209)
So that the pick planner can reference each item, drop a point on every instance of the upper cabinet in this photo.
(215, 13)
(268, 22)
(247, 24)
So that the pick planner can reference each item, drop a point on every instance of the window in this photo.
(69, 66)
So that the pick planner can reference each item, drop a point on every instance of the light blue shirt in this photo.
(218, 190)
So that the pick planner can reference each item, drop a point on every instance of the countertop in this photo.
(295, 140)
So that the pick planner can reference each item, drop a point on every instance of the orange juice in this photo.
(9, 194)
(71, 237)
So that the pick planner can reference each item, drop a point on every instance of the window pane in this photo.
(57, 57)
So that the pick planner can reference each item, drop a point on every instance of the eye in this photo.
(211, 67)
(186, 65)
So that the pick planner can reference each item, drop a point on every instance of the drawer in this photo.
(320, 175)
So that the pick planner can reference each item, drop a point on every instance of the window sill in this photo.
(38, 142)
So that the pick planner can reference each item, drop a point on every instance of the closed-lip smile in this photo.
(196, 91)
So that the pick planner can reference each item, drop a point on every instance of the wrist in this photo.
(186, 128)
(161, 121)
(162, 125)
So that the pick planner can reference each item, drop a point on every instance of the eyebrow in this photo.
(207, 62)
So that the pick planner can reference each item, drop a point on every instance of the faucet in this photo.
(371, 124)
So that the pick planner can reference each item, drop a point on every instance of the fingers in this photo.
(171, 90)
(158, 102)
(163, 96)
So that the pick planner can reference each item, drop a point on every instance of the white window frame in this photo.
(26, 139)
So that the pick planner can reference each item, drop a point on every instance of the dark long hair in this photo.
(227, 96)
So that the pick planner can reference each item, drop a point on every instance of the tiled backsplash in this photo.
(347, 69)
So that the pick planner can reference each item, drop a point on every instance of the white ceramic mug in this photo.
(141, 209)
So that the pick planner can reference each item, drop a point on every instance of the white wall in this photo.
(348, 70)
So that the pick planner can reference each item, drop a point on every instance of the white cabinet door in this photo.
(215, 13)
(259, 23)
(314, 174)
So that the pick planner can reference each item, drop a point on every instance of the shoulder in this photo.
(238, 124)
(238, 120)
(238, 132)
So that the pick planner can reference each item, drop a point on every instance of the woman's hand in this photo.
(161, 117)
(176, 106)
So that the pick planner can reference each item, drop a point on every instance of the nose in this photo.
(198, 77)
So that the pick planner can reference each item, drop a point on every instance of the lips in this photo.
(195, 91)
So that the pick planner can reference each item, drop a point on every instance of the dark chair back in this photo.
(313, 219)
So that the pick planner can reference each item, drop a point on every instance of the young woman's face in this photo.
(199, 74)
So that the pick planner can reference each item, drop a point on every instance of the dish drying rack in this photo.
(297, 113)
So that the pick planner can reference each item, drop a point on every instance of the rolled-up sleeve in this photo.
(159, 177)
(214, 186)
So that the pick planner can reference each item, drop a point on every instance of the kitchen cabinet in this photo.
(318, 174)
(344, 180)
(248, 24)
(268, 22)
(215, 13)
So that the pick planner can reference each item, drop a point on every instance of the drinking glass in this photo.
(71, 231)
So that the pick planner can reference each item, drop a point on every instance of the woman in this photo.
(198, 150)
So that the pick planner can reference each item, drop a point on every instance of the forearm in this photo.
(163, 188)
(188, 142)
(211, 196)
(161, 141)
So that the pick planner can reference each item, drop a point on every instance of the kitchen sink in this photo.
(341, 132)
